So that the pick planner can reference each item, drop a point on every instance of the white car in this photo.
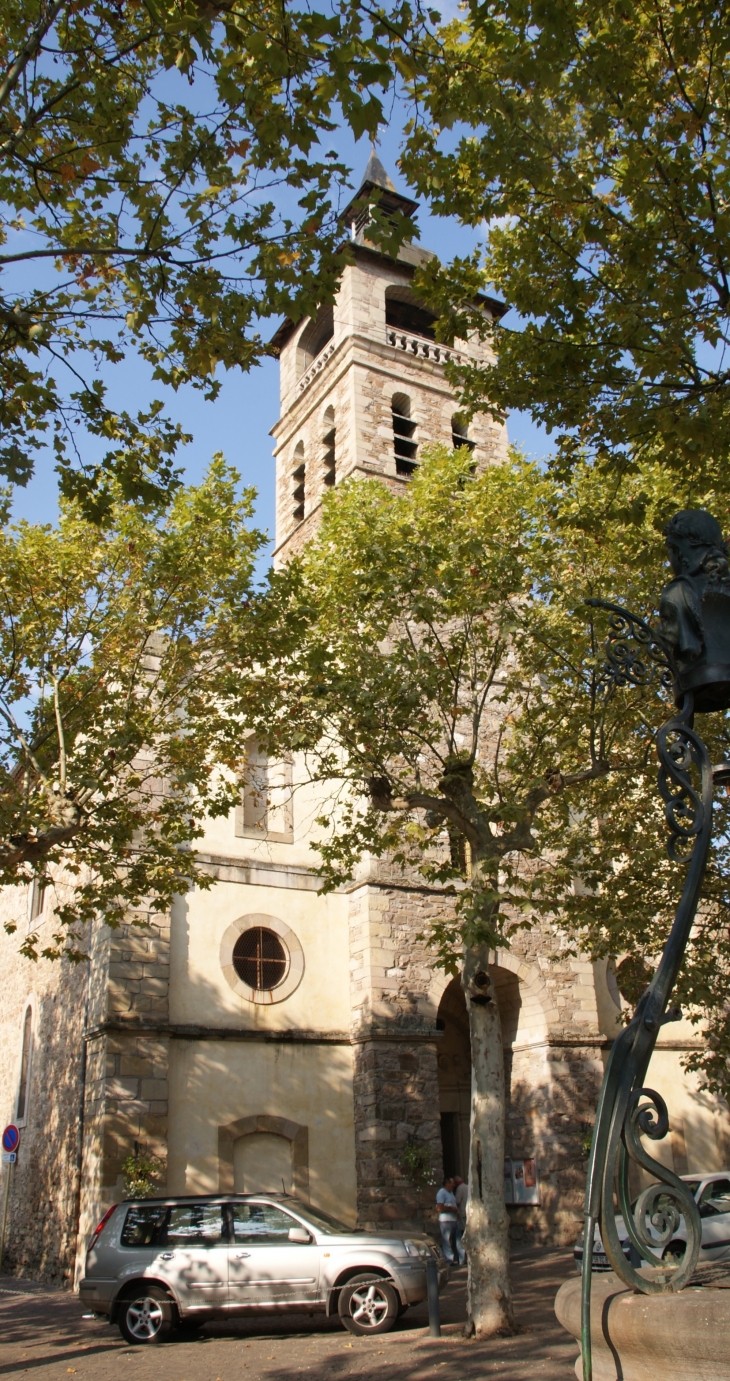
(712, 1196)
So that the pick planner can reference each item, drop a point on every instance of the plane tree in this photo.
(432, 658)
(115, 746)
(591, 139)
(166, 178)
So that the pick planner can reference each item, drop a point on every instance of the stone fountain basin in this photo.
(682, 1337)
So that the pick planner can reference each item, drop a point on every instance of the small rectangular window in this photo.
(265, 811)
(143, 1225)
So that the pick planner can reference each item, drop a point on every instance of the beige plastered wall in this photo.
(306, 1076)
(699, 1136)
(213, 1084)
(199, 991)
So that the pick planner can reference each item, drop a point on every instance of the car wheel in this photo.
(368, 1305)
(147, 1316)
(674, 1254)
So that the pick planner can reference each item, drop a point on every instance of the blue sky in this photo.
(239, 421)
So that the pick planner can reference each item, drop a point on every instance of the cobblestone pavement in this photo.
(43, 1336)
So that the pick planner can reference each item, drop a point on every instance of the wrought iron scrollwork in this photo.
(627, 1110)
(679, 748)
(635, 653)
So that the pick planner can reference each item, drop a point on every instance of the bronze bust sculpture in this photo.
(695, 609)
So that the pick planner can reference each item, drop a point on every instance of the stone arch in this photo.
(538, 1012)
(405, 312)
(316, 334)
(526, 1013)
(262, 1123)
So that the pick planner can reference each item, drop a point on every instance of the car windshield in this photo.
(318, 1219)
(693, 1185)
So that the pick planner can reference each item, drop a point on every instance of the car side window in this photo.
(143, 1225)
(260, 1223)
(717, 1193)
(194, 1225)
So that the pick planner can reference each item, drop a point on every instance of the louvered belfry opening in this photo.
(460, 433)
(259, 959)
(328, 441)
(298, 484)
(405, 446)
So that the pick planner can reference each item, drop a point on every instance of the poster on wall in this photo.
(521, 1184)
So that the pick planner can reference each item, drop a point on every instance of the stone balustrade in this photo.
(423, 348)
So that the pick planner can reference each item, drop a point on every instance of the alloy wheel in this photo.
(368, 1306)
(144, 1318)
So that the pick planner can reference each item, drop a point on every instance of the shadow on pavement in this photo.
(41, 1330)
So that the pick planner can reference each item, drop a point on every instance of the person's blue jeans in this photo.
(451, 1241)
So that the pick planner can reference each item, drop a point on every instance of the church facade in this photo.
(262, 1035)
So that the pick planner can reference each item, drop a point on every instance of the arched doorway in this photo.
(454, 1061)
(454, 1073)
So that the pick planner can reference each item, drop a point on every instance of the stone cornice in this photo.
(183, 1031)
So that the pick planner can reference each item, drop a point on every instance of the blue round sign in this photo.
(11, 1137)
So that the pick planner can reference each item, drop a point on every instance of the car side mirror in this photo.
(299, 1235)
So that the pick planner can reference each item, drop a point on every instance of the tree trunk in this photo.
(489, 1299)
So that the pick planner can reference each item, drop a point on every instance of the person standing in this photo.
(449, 1223)
(461, 1194)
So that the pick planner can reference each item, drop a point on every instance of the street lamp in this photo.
(690, 653)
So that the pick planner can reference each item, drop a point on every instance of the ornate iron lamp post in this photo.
(690, 652)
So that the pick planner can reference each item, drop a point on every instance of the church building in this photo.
(265, 1036)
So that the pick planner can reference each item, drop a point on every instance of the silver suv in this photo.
(158, 1266)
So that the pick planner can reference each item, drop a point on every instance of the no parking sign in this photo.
(10, 1140)
(11, 1137)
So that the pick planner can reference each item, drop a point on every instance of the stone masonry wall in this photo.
(40, 1239)
(395, 1088)
(127, 1077)
(395, 1071)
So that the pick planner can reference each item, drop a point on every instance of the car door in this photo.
(714, 1206)
(265, 1267)
(192, 1256)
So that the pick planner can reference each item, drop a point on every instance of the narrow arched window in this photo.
(21, 1111)
(460, 433)
(37, 898)
(328, 442)
(405, 446)
(298, 483)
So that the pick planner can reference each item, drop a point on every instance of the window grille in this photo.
(260, 959)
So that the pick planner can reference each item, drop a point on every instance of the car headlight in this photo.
(411, 1248)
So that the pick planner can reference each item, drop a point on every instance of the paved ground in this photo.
(42, 1336)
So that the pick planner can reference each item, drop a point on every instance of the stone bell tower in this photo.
(363, 387)
(363, 391)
